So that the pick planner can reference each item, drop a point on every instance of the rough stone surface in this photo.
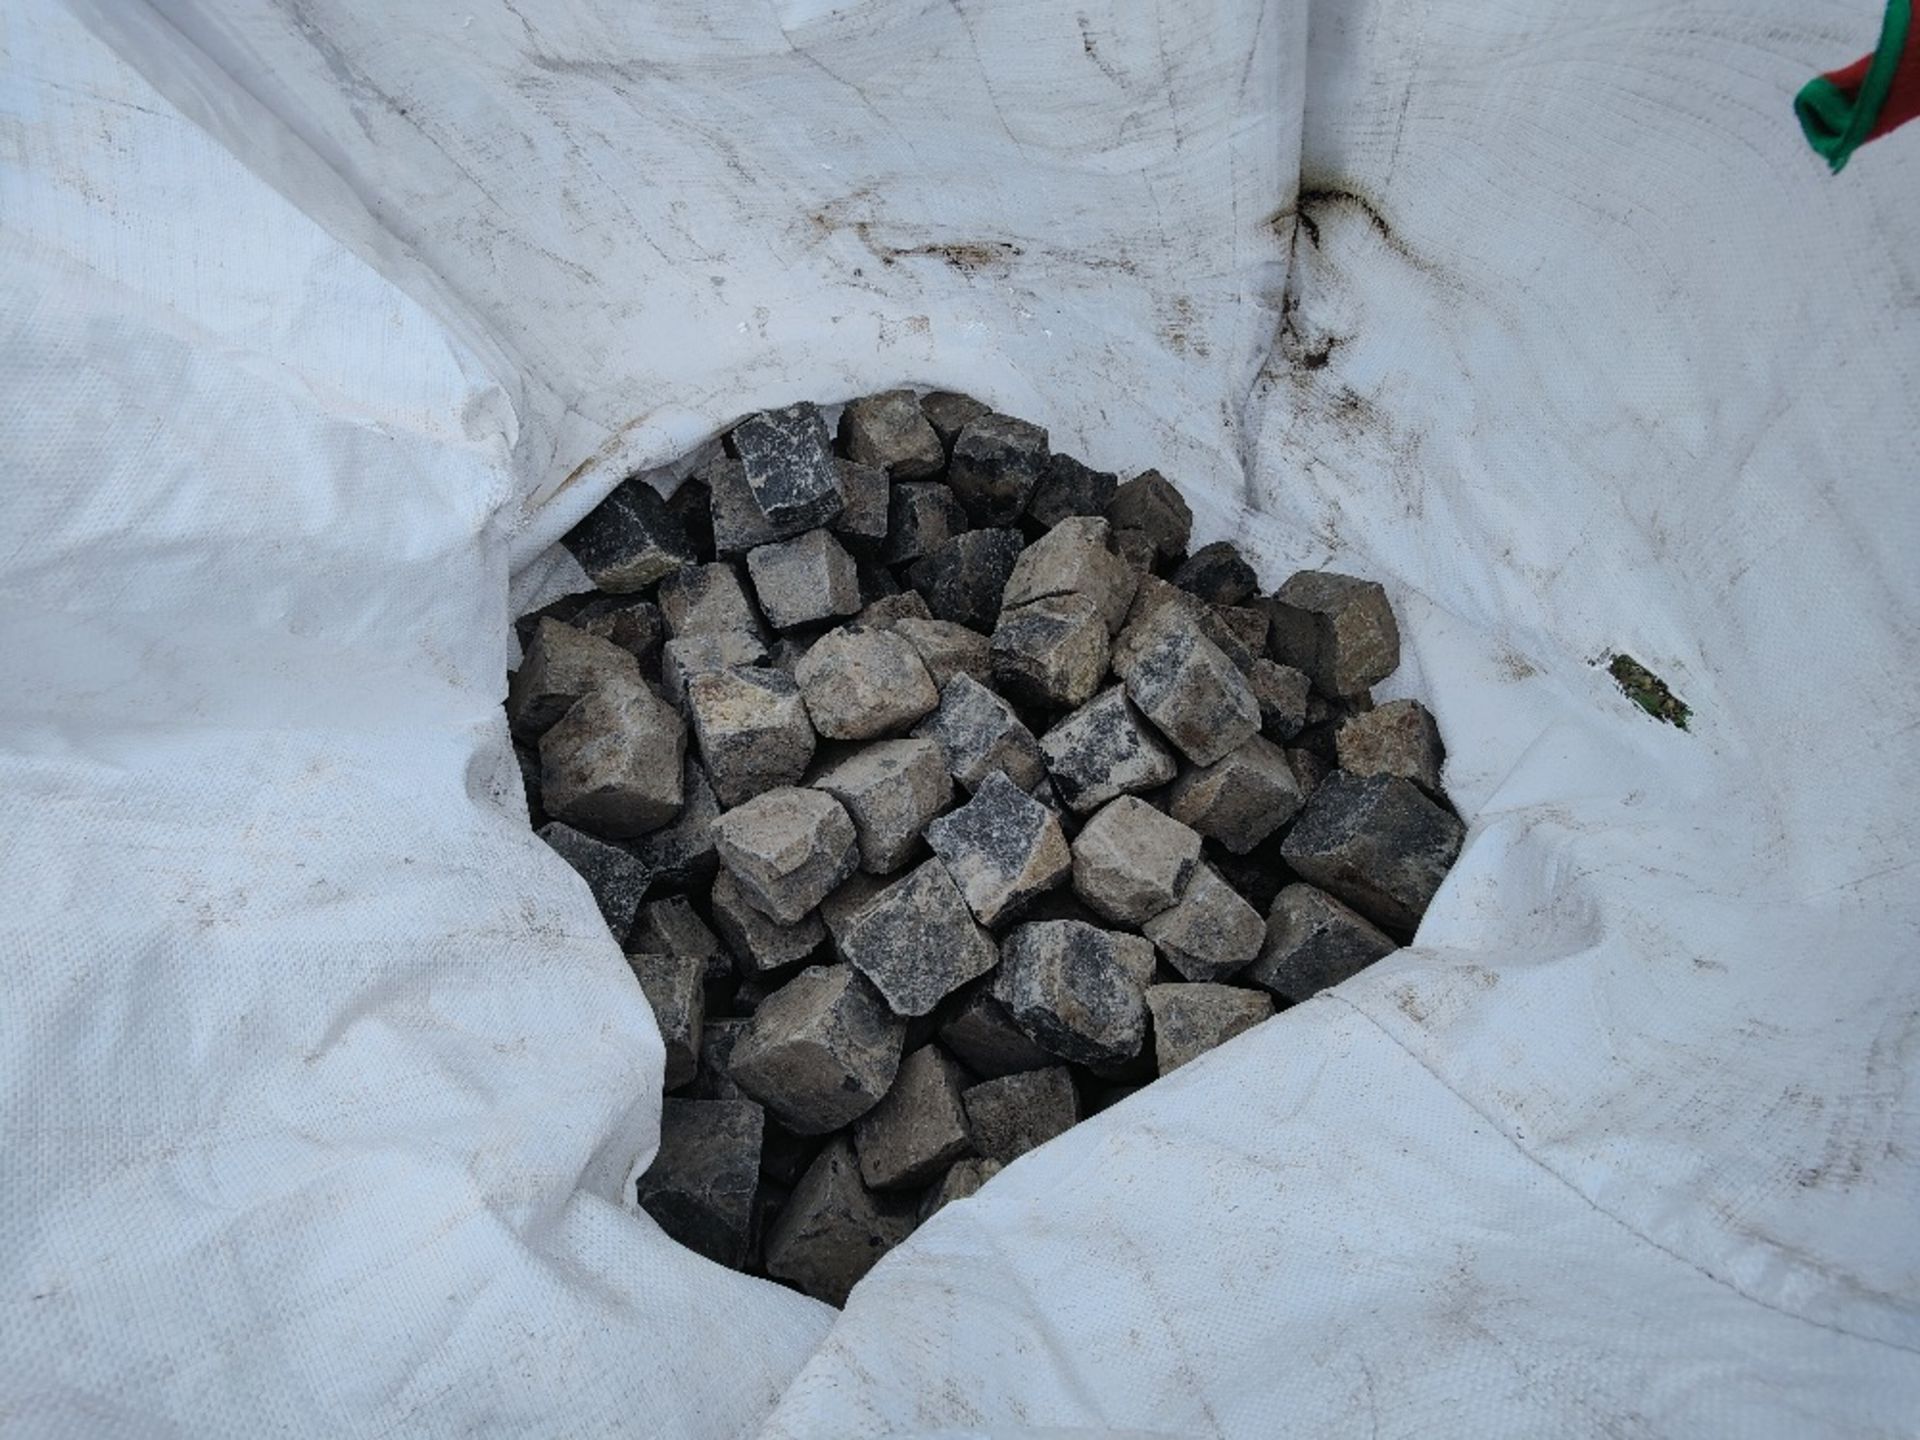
(714, 1078)
(561, 664)
(1051, 652)
(1211, 932)
(788, 464)
(1017, 1113)
(1075, 557)
(859, 681)
(922, 515)
(822, 1050)
(913, 1135)
(671, 926)
(946, 649)
(615, 875)
(1150, 504)
(753, 730)
(1135, 955)
(680, 853)
(1313, 941)
(810, 577)
(1130, 862)
(612, 764)
(1190, 690)
(761, 942)
(983, 1034)
(1397, 738)
(1067, 487)
(1338, 628)
(981, 736)
(1217, 574)
(691, 655)
(916, 942)
(839, 910)
(674, 986)
(701, 1185)
(634, 625)
(707, 600)
(1281, 693)
(1104, 749)
(1002, 848)
(996, 466)
(737, 521)
(892, 789)
(1135, 547)
(1240, 799)
(1067, 985)
(789, 848)
(889, 610)
(867, 503)
(962, 1180)
(891, 432)
(950, 412)
(630, 539)
(964, 577)
(1245, 627)
(1377, 843)
(1189, 1020)
(833, 1230)
(1309, 769)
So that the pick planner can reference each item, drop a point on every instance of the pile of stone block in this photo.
(941, 796)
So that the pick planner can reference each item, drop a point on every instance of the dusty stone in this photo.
(713, 1079)
(761, 942)
(1247, 626)
(1313, 941)
(615, 875)
(701, 1185)
(634, 625)
(670, 926)
(707, 600)
(1377, 843)
(1190, 690)
(859, 682)
(1240, 799)
(963, 578)
(1068, 487)
(1130, 862)
(789, 465)
(810, 577)
(1017, 1113)
(981, 736)
(1103, 749)
(1281, 693)
(1189, 1020)
(561, 665)
(680, 854)
(682, 659)
(789, 848)
(1069, 987)
(889, 610)
(920, 1129)
(630, 539)
(996, 466)
(833, 1230)
(916, 942)
(1211, 932)
(867, 498)
(950, 412)
(1145, 619)
(889, 431)
(839, 910)
(892, 789)
(1398, 738)
(1075, 557)
(822, 1050)
(922, 515)
(945, 648)
(753, 730)
(677, 996)
(1135, 955)
(1150, 504)
(737, 521)
(982, 1033)
(1002, 848)
(1135, 547)
(962, 1181)
(612, 764)
(1051, 652)
(1338, 628)
(1217, 574)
